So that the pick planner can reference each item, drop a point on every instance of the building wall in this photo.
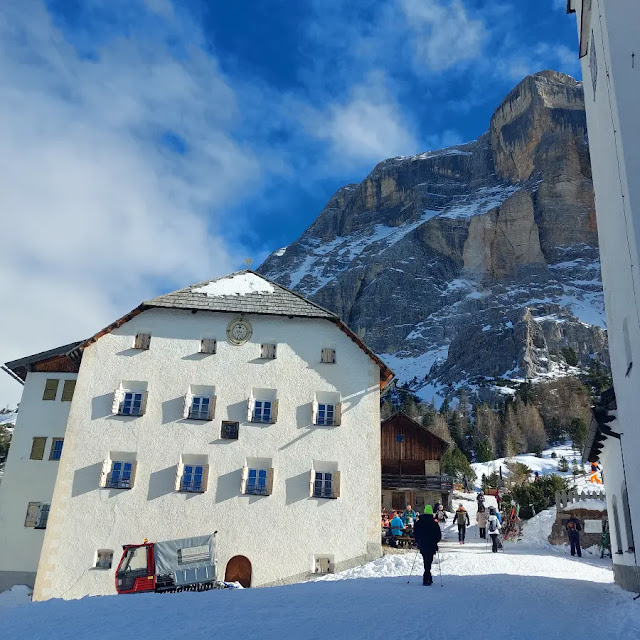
(28, 480)
(280, 533)
(614, 141)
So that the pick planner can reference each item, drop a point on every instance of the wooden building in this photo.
(411, 472)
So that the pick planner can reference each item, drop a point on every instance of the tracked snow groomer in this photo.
(174, 565)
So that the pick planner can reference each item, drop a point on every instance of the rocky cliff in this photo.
(472, 263)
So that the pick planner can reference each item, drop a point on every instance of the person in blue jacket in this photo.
(397, 527)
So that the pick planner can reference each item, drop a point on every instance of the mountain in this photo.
(472, 263)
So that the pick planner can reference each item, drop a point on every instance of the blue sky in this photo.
(148, 144)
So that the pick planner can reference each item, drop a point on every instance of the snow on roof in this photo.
(591, 503)
(238, 284)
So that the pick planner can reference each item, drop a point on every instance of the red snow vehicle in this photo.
(174, 565)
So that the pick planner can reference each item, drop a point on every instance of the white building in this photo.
(32, 464)
(610, 56)
(234, 406)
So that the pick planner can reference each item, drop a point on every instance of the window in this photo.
(200, 408)
(37, 515)
(50, 389)
(142, 341)
(37, 448)
(131, 404)
(257, 480)
(56, 449)
(192, 478)
(230, 430)
(120, 475)
(323, 486)
(268, 351)
(130, 399)
(192, 555)
(43, 516)
(262, 411)
(192, 474)
(104, 559)
(208, 345)
(327, 410)
(67, 390)
(323, 564)
(328, 356)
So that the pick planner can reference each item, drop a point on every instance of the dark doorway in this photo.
(239, 570)
(398, 501)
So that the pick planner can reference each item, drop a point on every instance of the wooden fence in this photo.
(566, 498)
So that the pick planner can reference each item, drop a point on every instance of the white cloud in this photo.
(543, 56)
(442, 33)
(366, 128)
(95, 211)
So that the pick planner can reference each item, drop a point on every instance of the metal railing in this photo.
(409, 481)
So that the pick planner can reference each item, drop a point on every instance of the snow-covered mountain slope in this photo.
(545, 465)
(471, 263)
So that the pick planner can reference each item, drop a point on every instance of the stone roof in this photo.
(279, 302)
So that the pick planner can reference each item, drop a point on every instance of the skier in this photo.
(481, 519)
(574, 528)
(493, 528)
(427, 534)
(461, 518)
(441, 519)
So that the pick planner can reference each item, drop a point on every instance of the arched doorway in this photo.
(239, 570)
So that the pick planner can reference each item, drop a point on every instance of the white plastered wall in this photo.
(28, 480)
(280, 533)
(614, 141)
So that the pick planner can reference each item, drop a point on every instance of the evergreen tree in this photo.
(563, 465)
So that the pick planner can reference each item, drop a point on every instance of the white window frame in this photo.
(326, 414)
(191, 486)
(259, 411)
(108, 470)
(196, 410)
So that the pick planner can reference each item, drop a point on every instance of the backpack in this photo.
(493, 524)
(461, 516)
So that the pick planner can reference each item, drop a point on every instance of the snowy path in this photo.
(529, 592)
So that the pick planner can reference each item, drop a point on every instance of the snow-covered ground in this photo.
(528, 592)
(545, 465)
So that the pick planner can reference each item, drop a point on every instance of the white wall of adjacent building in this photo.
(27, 480)
(280, 534)
(611, 75)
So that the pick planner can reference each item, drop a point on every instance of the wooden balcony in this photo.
(406, 481)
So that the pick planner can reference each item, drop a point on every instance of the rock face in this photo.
(472, 262)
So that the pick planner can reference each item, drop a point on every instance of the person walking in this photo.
(427, 534)
(499, 497)
(493, 528)
(574, 528)
(480, 499)
(461, 518)
(481, 519)
(441, 518)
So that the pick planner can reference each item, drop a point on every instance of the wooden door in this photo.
(398, 502)
(239, 570)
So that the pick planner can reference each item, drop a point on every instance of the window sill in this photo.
(207, 419)
(329, 424)
(192, 491)
(107, 486)
(261, 421)
(325, 497)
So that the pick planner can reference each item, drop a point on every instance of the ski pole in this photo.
(413, 565)
(439, 566)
